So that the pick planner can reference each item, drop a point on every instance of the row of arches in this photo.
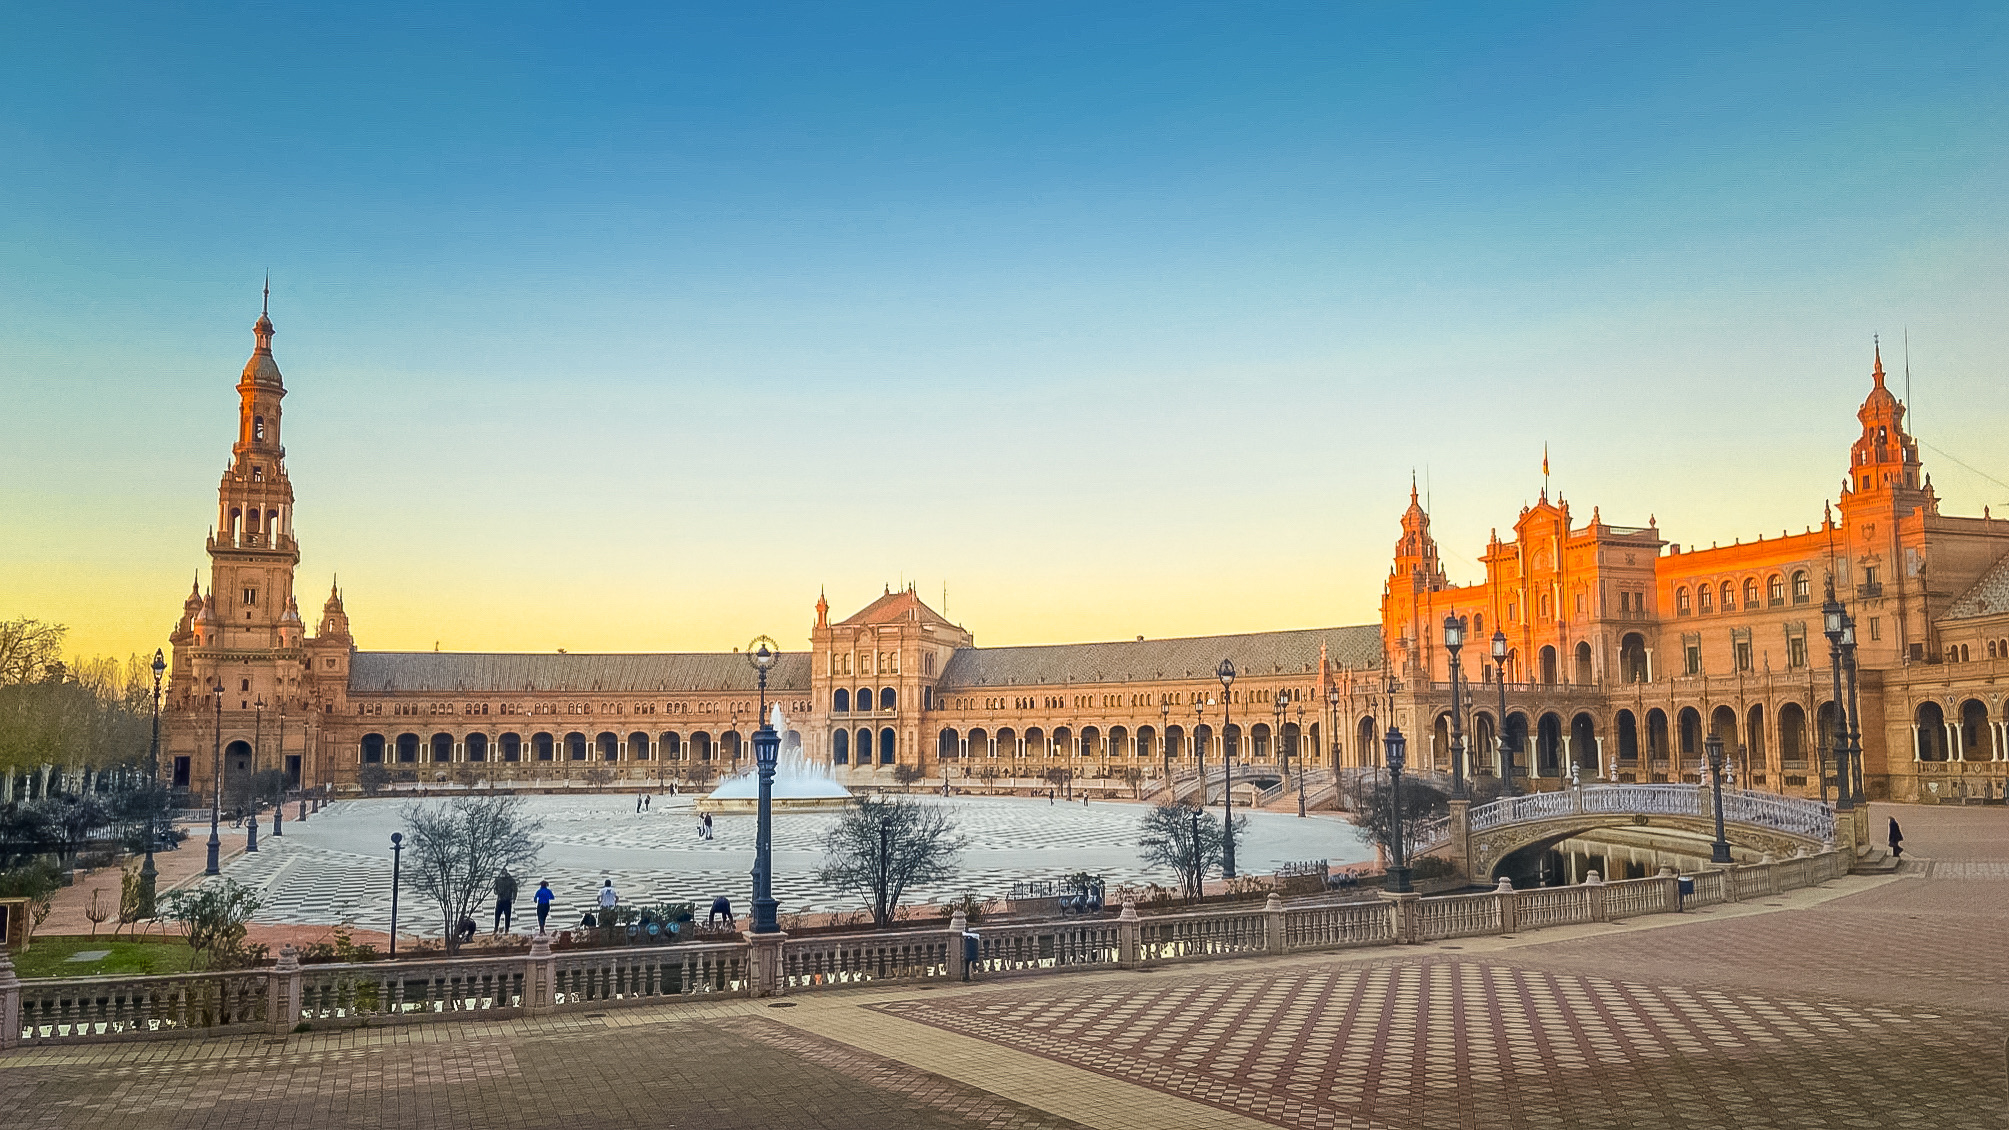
(842, 748)
(842, 700)
(1970, 735)
(1258, 742)
(700, 745)
(1707, 598)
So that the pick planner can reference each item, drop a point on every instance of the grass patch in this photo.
(49, 957)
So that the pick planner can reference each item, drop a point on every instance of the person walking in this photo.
(638, 804)
(708, 826)
(608, 899)
(1896, 840)
(505, 901)
(544, 897)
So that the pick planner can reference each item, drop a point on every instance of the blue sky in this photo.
(629, 330)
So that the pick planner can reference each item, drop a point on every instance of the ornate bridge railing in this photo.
(1807, 818)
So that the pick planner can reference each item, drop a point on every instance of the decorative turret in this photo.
(1416, 550)
(1885, 477)
(334, 620)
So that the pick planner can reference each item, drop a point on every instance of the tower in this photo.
(245, 639)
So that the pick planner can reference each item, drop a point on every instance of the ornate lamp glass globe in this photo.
(1395, 746)
(1225, 672)
(1454, 632)
(1500, 646)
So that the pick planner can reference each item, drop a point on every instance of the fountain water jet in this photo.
(799, 783)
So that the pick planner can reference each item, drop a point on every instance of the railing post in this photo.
(1461, 835)
(959, 924)
(763, 957)
(539, 972)
(1770, 863)
(1595, 882)
(1670, 889)
(1273, 923)
(1129, 936)
(1509, 904)
(283, 1008)
(10, 1002)
(1402, 904)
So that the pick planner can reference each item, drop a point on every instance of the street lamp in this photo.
(1454, 638)
(1200, 747)
(257, 737)
(397, 847)
(279, 794)
(1300, 763)
(148, 875)
(1165, 741)
(1393, 744)
(1226, 673)
(216, 788)
(1500, 731)
(1282, 752)
(1332, 720)
(1856, 797)
(763, 653)
(1719, 852)
(1835, 621)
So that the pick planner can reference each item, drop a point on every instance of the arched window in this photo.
(888, 698)
(1729, 592)
(1703, 600)
(258, 428)
(1478, 623)
(373, 749)
(864, 698)
(1775, 589)
(1750, 592)
(1803, 589)
(1681, 602)
(840, 701)
(840, 746)
(886, 746)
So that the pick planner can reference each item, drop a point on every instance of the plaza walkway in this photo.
(1875, 1002)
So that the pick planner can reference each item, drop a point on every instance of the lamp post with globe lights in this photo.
(1226, 673)
(763, 653)
(1454, 639)
(149, 877)
(1835, 622)
(1500, 732)
(1394, 746)
(213, 866)
(1719, 851)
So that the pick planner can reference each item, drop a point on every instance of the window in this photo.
(250, 597)
(257, 474)
(1750, 592)
(1743, 655)
(1803, 589)
(1796, 651)
(1693, 658)
(1702, 599)
(1545, 606)
(1681, 602)
(258, 428)
(1775, 589)
(1729, 597)
(1876, 627)
(1478, 623)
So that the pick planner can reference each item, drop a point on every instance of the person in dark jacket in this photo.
(505, 901)
(1896, 840)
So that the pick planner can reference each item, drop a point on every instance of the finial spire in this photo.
(1876, 343)
(265, 306)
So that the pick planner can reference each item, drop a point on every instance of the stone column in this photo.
(1461, 835)
(1129, 937)
(959, 924)
(1273, 924)
(1509, 905)
(539, 975)
(284, 1006)
(1596, 884)
(1402, 905)
(10, 1002)
(1670, 889)
(764, 978)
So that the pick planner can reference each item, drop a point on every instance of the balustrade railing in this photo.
(1026, 948)
(1331, 927)
(70, 1010)
(1176, 937)
(1630, 898)
(856, 959)
(1459, 916)
(1552, 906)
(343, 995)
(1808, 818)
(631, 975)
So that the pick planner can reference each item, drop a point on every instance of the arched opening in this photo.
(1583, 676)
(1118, 742)
(1367, 742)
(1803, 588)
(373, 749)
(840, 747)
(476, 746)
(1091, 742)
(1147, 743)
(1753, 758)
(978, 743)
(1007, 744)
(670, 746)
(1517, 744)
(609, 745)
(440, 748)
(1290, 746)
(887, 747)
(1063, 742)
(840, 701)
(1723, 727)
(1977, 737)
(575, 746)
(1259, 742)
(237, 757)
(408, 749)
(638, 746)
(1750, 592)
(1548, 659)
(1632, 657)
(1931, 723)
(701, 747)
(731, 747)
(1689, 724)
(1583, 745)
(1175, 743)
(1775, 590)
(1628, 737)
(1485, 744)
(888, 698)
(791, 742)
(1233, 739)
(511, 745)
(1793, 736)
(948, 745)
(1203, 740)
(1729, 592)
(1656, 738)
(1440, 744)
(1548, 745)
(541, 746)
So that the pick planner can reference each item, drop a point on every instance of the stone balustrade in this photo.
(290, 997)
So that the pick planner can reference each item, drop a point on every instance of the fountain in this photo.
(799, 783)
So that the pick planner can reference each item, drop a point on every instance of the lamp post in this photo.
(1165, 741)
(1199, 860)
(1834, 622)
(1500, 732)
(397, 847)
(257, 736)
(279, 795)
(1856, 797)
(1200, 747)
(1300, 763)
(216, 787)
(1226, 673)
(149, 877)
(1454, 639)
(1332, 720)
(1719, 852)
(763, 653)
(1393, 744)
(1283, 751)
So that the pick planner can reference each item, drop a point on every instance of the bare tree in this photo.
(27, 648)
(1187, 839)
(883, 845)
(456, 848)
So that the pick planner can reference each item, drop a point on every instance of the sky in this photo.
(634, 328)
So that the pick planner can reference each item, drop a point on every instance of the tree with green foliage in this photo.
(215, 916)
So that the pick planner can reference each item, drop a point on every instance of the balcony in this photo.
(1870, 590)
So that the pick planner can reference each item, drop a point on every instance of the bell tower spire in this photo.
(252, 553)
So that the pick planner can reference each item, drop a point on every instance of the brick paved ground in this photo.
(1873, 1003)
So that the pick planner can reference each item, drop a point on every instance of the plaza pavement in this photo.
(1874, 1002)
